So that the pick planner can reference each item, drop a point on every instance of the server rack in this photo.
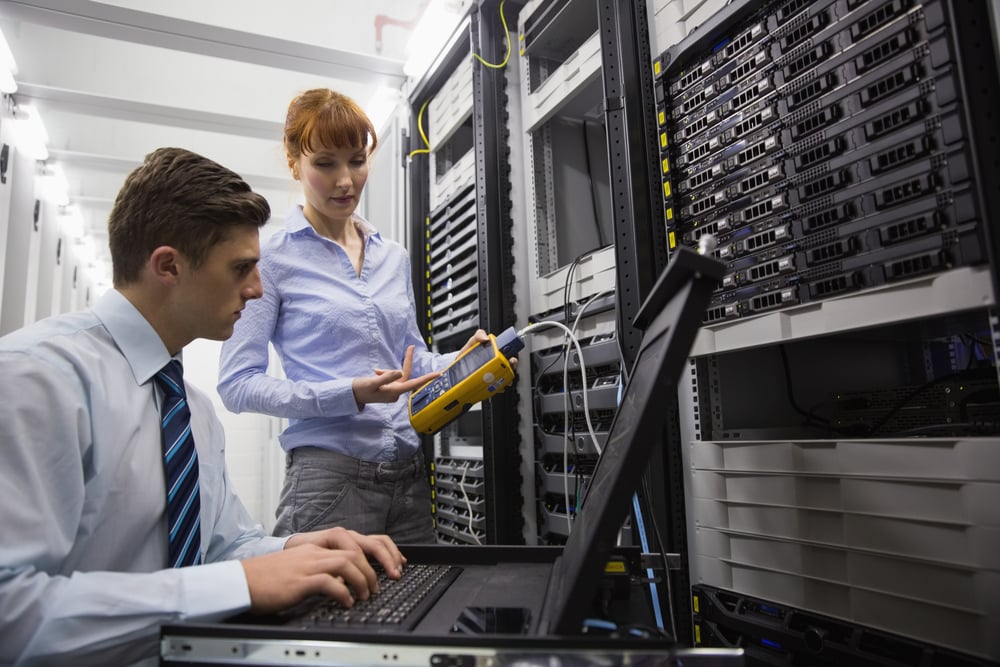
(570, 235)
(460, 202)
(840, 427)
(586, 66)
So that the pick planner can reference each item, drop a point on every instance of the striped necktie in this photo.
(180, 462)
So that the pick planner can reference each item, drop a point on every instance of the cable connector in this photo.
(509, 342)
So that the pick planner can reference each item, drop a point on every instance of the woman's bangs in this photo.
(335, 130)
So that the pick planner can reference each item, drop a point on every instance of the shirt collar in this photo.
(296, 222)
(138, 341)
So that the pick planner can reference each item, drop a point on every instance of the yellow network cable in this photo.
(420, 115)
(506, 34)
(423, 135)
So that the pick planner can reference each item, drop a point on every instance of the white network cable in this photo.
(468, 503)
(583, 370)
(576, 323)
(571, 334)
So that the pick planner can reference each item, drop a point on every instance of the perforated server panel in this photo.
(452, 299)
(823, 144)
(453, 262)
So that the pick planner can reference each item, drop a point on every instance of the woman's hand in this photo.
(386, 386)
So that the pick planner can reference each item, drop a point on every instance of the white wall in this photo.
(19, 228)
(252, 452)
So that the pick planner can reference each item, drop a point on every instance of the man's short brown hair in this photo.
(180, 199)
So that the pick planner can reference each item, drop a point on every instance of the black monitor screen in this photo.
(672, 315)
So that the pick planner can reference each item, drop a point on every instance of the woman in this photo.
(338, 306)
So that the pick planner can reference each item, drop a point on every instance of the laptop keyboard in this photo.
(399, 604)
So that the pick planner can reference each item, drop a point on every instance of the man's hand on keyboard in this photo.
(284, 578)
(331, 562)
(379, 548)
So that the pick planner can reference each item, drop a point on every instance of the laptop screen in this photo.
(671, 316)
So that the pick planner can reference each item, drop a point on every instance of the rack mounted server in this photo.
(823, 144)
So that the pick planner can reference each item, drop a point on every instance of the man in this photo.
(86, 529)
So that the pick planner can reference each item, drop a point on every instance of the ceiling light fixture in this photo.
(431, 34)
(8, 68)
(52, 186)
(71, 224)
(30, 136)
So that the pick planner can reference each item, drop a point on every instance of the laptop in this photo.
(496, 597)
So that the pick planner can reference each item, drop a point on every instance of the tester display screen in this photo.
(469, 363)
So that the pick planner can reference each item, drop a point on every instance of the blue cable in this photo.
(600, 624)
(649, 571)
(641, 527)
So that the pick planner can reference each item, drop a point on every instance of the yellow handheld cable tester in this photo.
(475, 375)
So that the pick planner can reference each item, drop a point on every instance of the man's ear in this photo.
(164, 264)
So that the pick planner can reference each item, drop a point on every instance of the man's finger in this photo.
(385, 551)
(353, 569)
(332, 587)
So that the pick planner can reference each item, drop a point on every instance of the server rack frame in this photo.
(478, 33)
(641, 254)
